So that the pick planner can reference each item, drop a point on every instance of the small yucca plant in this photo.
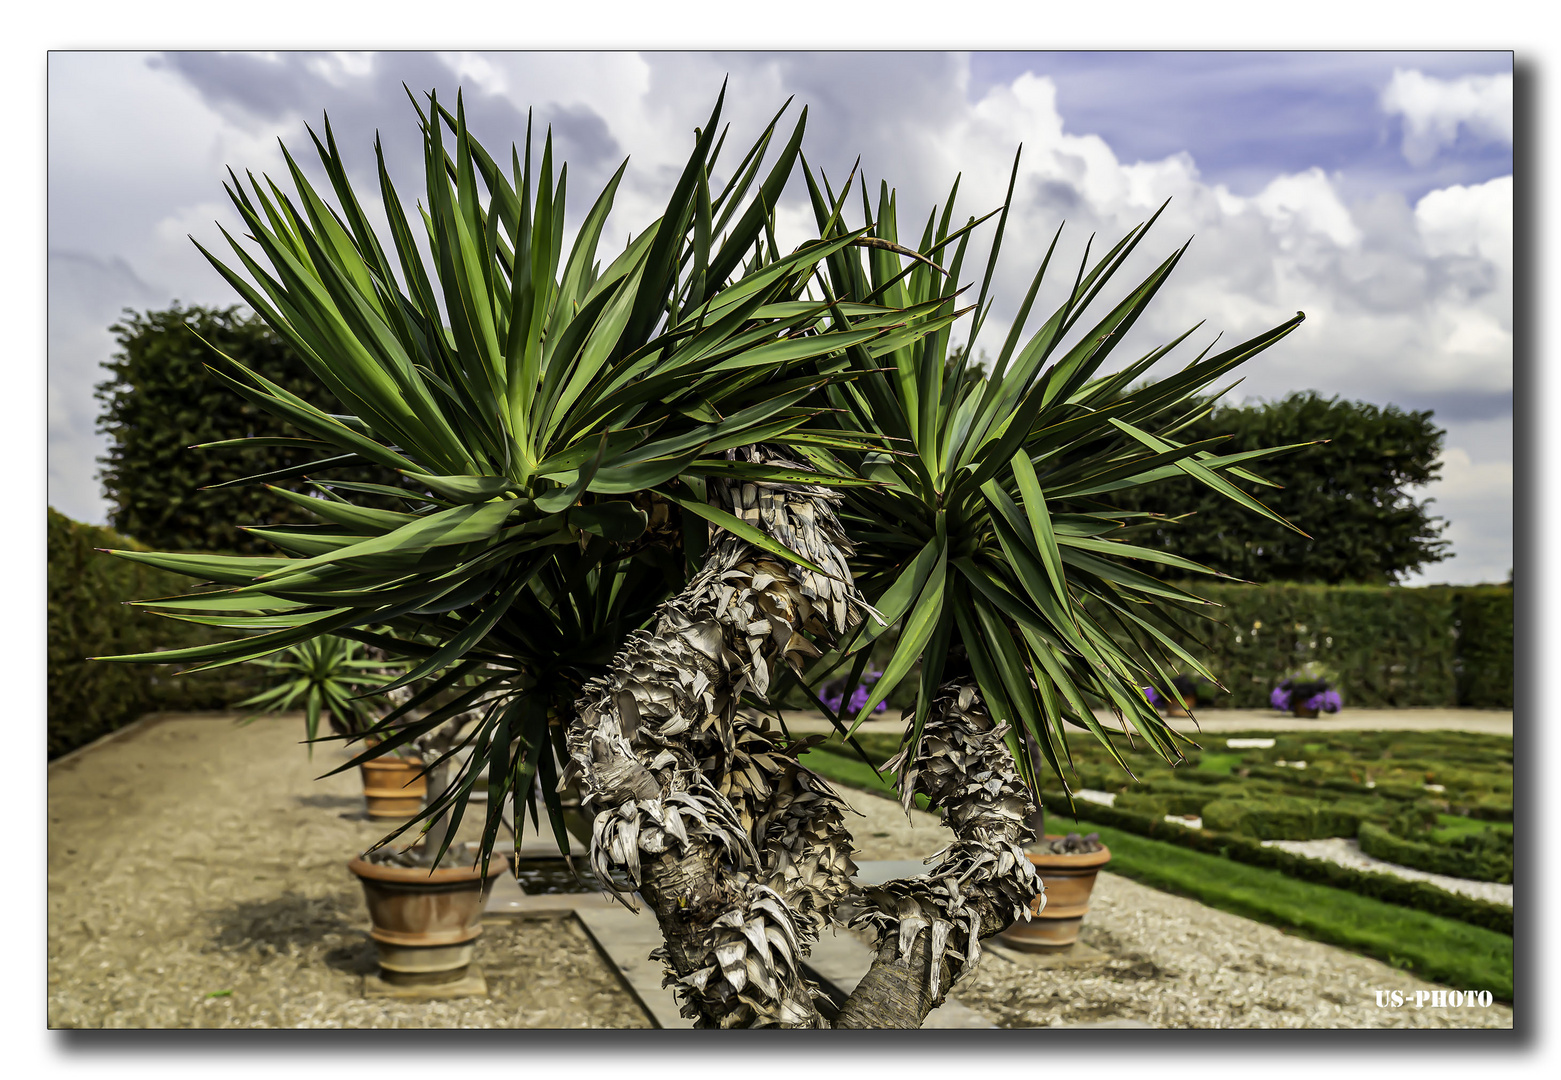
(325, 676)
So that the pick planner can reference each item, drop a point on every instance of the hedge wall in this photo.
(1484, 653)
(87, 617)
(1388, 646)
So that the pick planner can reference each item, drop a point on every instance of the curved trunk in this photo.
(741, 852)
(930, 927)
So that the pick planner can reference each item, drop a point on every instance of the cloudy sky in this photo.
(1371, 190)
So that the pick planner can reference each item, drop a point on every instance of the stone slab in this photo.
(474, 984)
(546, 847)
(514, 903)
(839, 961)
(878, 871)
(626, 941)
(1077, 955)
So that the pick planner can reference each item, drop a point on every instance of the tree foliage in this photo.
(1350, 494)
(161, 402)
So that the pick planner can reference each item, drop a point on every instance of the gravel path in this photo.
(1214, 721)
(194, 858)
(1171, 962)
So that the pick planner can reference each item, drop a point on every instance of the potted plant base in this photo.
(426, 924)
(1056, 914)
(393, 788)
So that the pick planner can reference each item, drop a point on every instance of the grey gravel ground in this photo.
(195, 858)
(1171, 962)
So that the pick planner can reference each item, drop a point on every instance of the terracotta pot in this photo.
(393, 788)
(425, 924)
(1182, 708)
(1304, 713)
(1068, 879)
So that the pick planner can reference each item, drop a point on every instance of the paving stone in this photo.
(1077, 955)
(472, 984)
(626, 940)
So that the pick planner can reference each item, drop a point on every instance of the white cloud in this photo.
(1474, 220)
(86, 295)
(1434, 109)
(1306, 203)
(1405, 303)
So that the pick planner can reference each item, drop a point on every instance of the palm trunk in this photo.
(737, 849)
(740, 852)
(930, 927)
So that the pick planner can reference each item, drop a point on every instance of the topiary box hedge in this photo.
(1434, 858)
(1287, 817)
(88, 617)
(1411, 894)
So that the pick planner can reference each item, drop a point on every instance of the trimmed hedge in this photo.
(1158, 804)
(87, 617)
(1411, 894)
(1484, 655)
(1435, 858)
(1387, 646)
(1284, 817)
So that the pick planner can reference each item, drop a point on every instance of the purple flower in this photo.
(859, 697)
(1327, 701)
(1154, 699)
(1316, 696)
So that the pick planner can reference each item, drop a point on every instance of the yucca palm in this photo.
(649, 494)
(328, 676)
(541, 403)
(1018, 618)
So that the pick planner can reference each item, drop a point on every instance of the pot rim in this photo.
(1083, 860)
(412, 875)
(392, 762)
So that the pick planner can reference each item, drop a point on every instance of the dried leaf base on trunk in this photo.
(741, 852)
(930, 927)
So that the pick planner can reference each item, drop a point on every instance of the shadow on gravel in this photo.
(355, 959)
(291, 922)
(331, 802)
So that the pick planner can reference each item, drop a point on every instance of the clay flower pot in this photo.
(1068, 880)
(425, 924)
(392, 787)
